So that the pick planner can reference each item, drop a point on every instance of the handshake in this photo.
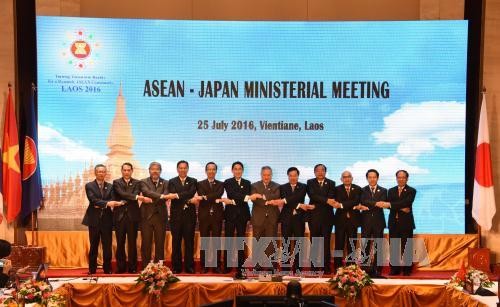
(306, 207)
(387, 205)
(383, 204)
(169, 196)
(360, 207)
(114, 203)
(335, 204)
(225, 201)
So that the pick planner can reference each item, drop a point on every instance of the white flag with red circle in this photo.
(483, 201)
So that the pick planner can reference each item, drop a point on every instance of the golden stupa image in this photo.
(65, 201)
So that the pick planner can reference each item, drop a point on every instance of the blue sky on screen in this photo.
(421, 127)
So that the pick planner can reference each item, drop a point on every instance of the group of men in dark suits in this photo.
(129, 203)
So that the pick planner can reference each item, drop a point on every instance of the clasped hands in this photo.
(332, 202)
(114, 203)
(387, 205)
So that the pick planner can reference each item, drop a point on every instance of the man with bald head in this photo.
(347, 218)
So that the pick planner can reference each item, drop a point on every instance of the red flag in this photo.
(483, 201)
(461, 273)
(11, 185)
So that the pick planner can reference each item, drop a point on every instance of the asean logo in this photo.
(81, 50)
(30, 158)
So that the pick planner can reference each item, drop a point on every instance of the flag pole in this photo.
(32, 229)
(33, 218)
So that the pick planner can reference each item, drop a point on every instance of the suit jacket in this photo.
(102, 215)
(398, 202)
(128, 193)
(347, 214)
(212, 193)
(180, 206)
(375, 216)
(318, 195)
(240, 212)
(292, 200)
(158, 206)
(259, 209)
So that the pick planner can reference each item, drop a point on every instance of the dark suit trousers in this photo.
(183, 227)
(268, 229)
(398, 239)
(293, 227)
(229, 229)
(104, 235)
(211, 227)
(155, 227)
(345, 234)
(376, 234)
(126, 230)
(323, 230)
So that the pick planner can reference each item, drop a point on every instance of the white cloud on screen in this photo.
(54, 143)
(386, 166)
(418, 128)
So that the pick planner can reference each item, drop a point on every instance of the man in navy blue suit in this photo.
(401, 223)
(321, 191)
(293, 212)
(236, 213)
(373, 221)
(99, 218)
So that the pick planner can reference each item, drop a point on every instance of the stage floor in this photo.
(421, 290)
(56, 273)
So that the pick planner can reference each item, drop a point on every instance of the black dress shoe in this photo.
(394, 272)
(406, 273)
(240, 275)
(227, 270)
(132, 271)
(204, 270)
(108, 272)
(120, 271)
(176, 271)
(190, 270)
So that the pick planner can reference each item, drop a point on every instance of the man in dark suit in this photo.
(265, 211)
(183, 217)
(99, 218)
(401, 224)
(210, 214)
(292, 216)
(347, 218)
(154, 215)
(321, 191)
(126, 218)
(373, 222)
(236, 214)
